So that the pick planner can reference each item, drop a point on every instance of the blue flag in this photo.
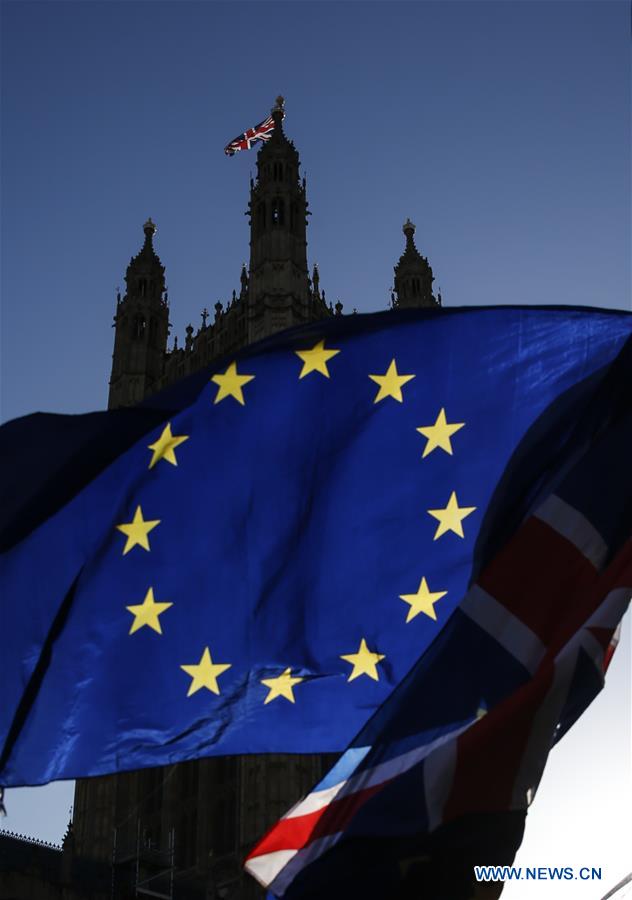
(254, 559)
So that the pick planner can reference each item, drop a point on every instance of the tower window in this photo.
(138, 327)
(261, 217)
(277, 211)
(142, 287)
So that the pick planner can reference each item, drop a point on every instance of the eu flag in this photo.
(253, 560)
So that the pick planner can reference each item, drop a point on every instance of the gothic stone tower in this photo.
(413, 276)
(210, 811)
(280, 294)
(142, 321)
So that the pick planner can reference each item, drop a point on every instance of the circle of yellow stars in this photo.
(315, 360)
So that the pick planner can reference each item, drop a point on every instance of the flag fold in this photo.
(253, 560)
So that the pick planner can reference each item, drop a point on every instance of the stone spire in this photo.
(413, 275)
(141, 322)
(279, 290)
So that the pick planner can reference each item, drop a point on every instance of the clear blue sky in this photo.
(500, 128)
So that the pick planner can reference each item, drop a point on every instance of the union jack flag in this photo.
(469, 731)
(261, 132)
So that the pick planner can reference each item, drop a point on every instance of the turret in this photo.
(278, 285)
(413, 275)
(142, 324)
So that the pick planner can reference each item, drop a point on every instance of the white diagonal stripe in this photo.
(265, 868)
(503, 626)
(303, 858)
(543, 728)
(594, 650)
(438, 779)
(575, 527)
(609, 613)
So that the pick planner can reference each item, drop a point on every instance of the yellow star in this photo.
(165, 445)
(364, 662)
(439, 434)
(281, 686)
(390, 383)
(423, 601)
(230, 384)
(204, 673)
(137, 531)
(315, 360)
(451, 517)
(147, 612)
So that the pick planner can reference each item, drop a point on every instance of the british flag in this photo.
(469, 731)
(261, 132)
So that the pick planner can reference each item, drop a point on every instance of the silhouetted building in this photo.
(37, 870)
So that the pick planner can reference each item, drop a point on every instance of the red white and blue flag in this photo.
(259, 133)
(469, 730)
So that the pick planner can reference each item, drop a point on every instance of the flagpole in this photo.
(617, 887)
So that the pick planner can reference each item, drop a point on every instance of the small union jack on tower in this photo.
(261, 132)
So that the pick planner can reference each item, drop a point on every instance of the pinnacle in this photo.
(147, 252)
